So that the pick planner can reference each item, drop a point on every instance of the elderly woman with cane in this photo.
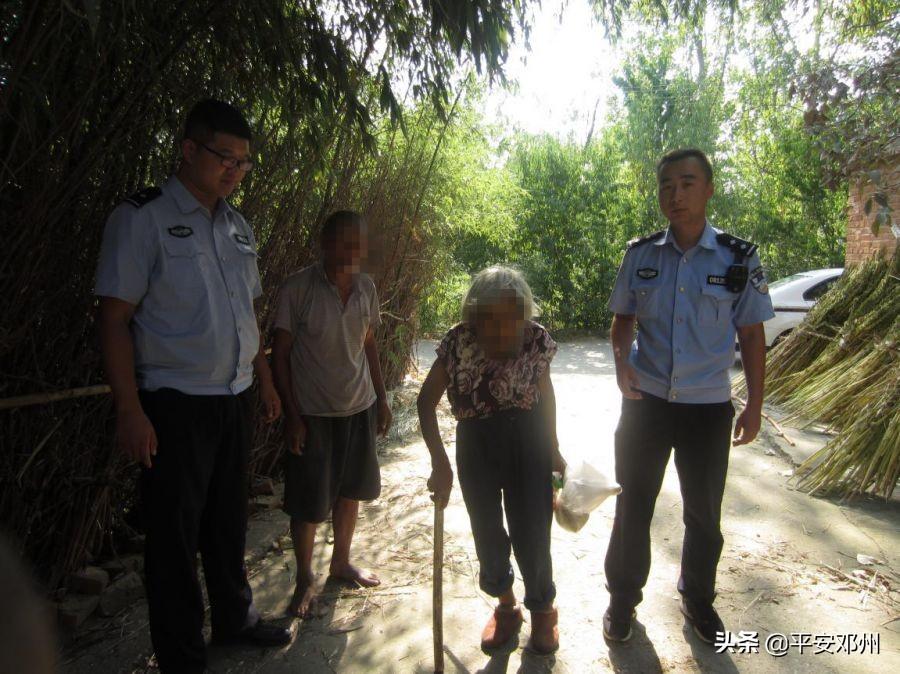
(495, 368)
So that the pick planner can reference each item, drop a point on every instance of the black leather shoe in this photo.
(264, 634)
(703, 618)
(617, 624)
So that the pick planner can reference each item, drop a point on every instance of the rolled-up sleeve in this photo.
(754, 304)
(126, 256)
(622, 301)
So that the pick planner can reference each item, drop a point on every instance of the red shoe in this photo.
(503, 625)
(544, 632)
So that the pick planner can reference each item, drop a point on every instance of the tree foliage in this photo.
(350, 103)
(573, 206)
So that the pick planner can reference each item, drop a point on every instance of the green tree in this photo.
(576, 216)
(665, 107)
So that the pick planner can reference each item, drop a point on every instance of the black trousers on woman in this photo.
(505, 464)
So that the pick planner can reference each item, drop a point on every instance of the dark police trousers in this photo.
(509, 455)
(701, 437)
(194, 498)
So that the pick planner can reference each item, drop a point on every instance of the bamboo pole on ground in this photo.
(54, 396)
(437, 611)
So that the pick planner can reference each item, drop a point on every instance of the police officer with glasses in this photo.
(177, 279)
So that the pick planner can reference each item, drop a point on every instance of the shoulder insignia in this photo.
(646, 239)
(736, 245)
(758, 280)
(144, 197)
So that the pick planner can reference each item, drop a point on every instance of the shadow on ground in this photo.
(789, 565)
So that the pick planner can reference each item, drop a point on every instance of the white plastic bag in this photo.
(585, 488)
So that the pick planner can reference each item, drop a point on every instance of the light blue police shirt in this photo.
(193, 280)
(686, 315)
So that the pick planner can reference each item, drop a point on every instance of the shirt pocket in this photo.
(646, 297)
(715, 306)
(184, 265)
(246, 264)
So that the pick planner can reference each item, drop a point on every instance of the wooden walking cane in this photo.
(437, 609)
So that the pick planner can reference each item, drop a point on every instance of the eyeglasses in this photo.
(228, 162)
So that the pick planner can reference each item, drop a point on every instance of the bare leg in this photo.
(343, 518)
(303, 604)
(507, 599)
(505, 621)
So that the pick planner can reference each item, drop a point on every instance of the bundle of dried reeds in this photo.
(841, 367)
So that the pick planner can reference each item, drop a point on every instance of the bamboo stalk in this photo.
(53, 396)
(842, 367)
(56, 396)
(437, 614)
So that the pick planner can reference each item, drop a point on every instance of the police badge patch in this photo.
(758, 280)
(181, 231)
(240, 238)
(647, 273)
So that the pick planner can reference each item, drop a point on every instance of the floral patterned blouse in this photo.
(480, 386)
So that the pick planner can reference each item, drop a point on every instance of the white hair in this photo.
(492, 285)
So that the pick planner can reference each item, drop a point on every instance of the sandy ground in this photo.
(789, 567)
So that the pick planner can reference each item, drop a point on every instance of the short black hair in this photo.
(686, 153)
(211, 116)
(337, 221)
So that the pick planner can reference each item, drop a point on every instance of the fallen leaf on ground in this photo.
(867, 560)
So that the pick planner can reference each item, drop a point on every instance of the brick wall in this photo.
(861, 243)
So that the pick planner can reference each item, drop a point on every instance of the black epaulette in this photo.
(144, 196)
(646, 239)
(736, 245)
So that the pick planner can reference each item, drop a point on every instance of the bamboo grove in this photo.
(366, 104)
(92, 97)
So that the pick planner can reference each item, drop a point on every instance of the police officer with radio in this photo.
(177, 279)
(689, 289)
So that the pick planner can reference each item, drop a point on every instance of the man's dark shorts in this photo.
(338, 461)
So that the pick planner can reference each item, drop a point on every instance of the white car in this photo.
(792, 298)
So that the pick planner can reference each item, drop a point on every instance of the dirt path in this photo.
(789, 566)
